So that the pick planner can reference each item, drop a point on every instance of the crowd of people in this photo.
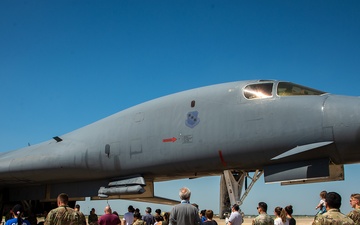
(186, 213)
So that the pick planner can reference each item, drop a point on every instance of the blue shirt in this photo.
(13, 221)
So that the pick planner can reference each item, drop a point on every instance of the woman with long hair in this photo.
(280, 216)
(17, 219)
(166, 218)
(289, 212)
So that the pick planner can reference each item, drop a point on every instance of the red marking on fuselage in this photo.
(222, 158)
(173, 139)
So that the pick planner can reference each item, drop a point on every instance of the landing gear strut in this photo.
(231, 186)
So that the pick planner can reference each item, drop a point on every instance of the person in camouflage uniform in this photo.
(263, 218)
(355, 204)
(82, 216)
(138, 220)
(333, 216)
(63, 214)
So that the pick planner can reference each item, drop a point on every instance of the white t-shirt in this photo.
(278, 221)
(235, 218)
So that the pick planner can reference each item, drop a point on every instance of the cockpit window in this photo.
(256, 91)
(290, 89)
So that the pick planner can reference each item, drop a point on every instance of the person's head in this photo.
(202, 212)
(158, 218)
(62, 199)
(195, 205)
(280, 212)
(185, 193)
(107, 210)
(166, 216)
(262, 207)
(116, 213)
(137, 216)
(148, 210)
(209, 214)
(235, 207)
(355, 200)
(323, 194)
(17, 211)
(137, 210)
(333, 200)
(158, 211)
(277, 211)
(289, 210)
(77, 207)
(131, 208)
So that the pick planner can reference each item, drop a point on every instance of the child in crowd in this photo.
(321, 206)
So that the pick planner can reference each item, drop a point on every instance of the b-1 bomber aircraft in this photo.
(239, 130)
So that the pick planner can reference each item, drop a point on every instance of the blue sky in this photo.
(65, 64)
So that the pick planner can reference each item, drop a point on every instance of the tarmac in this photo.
(300, 220)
